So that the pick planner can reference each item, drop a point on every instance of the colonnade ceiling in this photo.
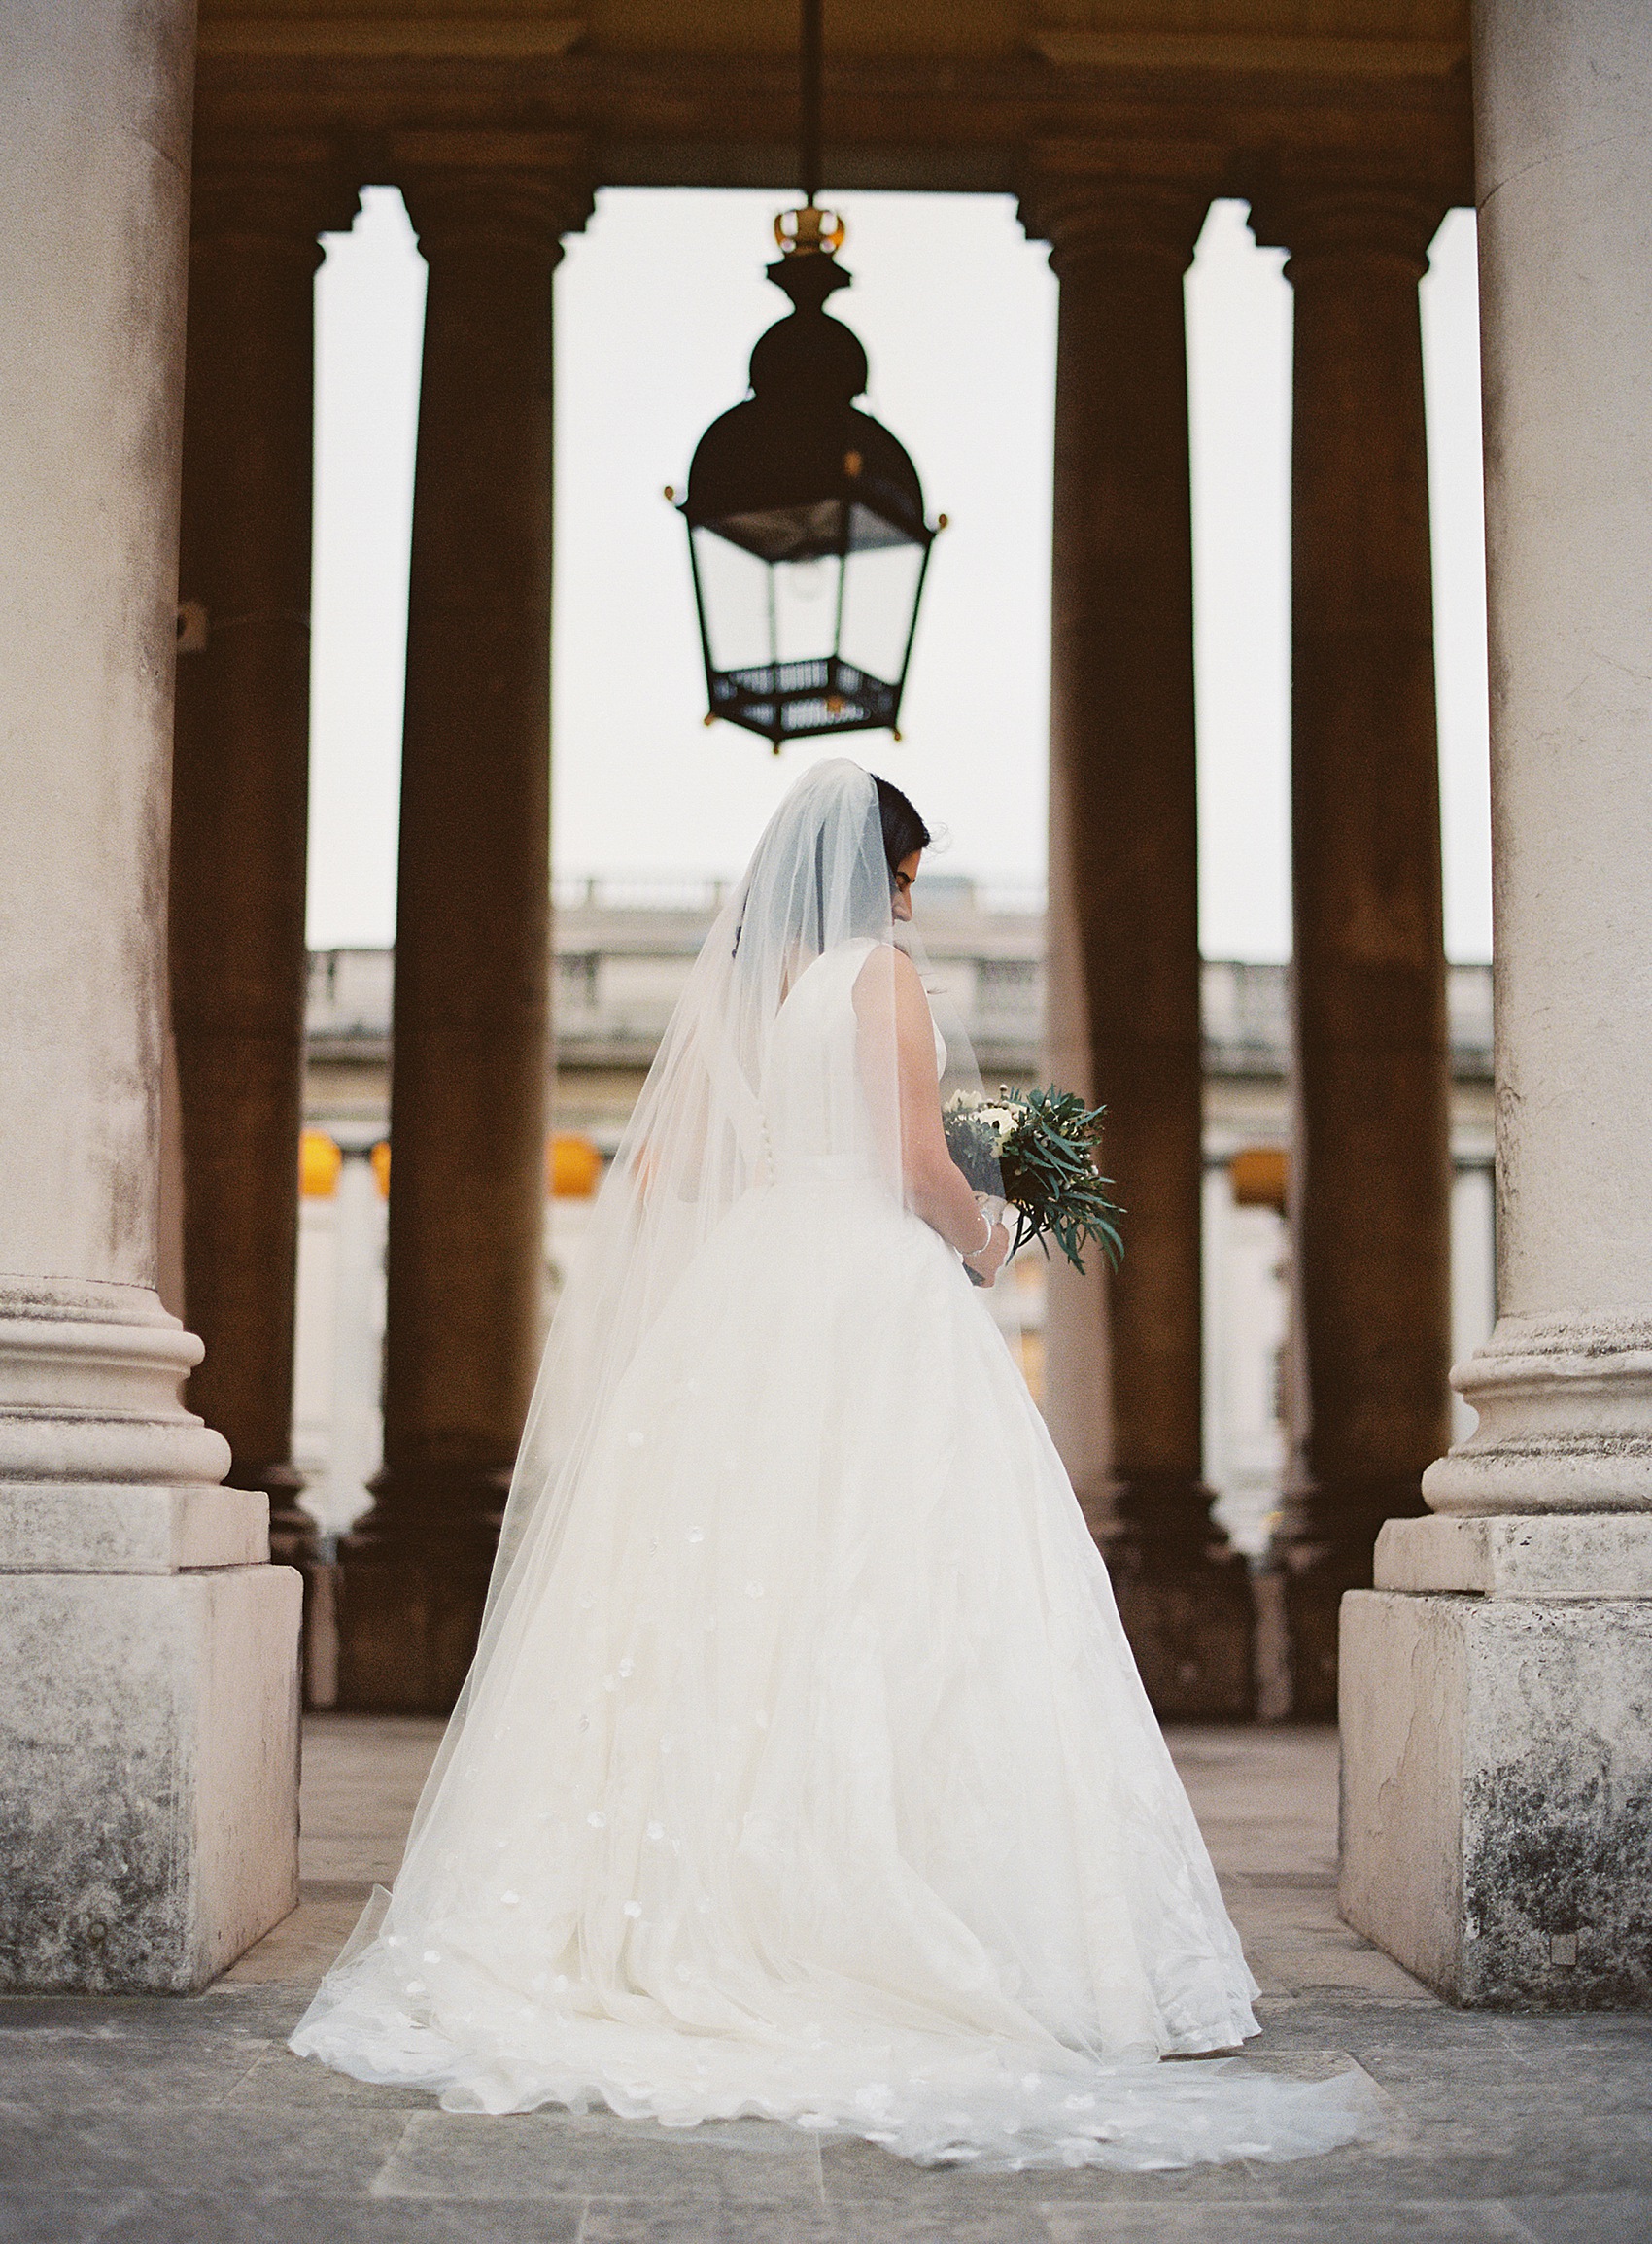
(959, 94)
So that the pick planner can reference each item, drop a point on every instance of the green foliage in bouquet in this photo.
(1035, 1148)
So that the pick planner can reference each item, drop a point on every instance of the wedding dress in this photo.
(804, 1770)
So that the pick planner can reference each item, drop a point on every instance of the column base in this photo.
(293, 1541)
(149, 1762)
(1323, 1552)
(58, 1527)
(408, 1629)
(292, 1530)
(411, 1586)
(1305, 1591)
(89, 1374)
(1564, 1422)
(1496, 1794)
(1191, 1621)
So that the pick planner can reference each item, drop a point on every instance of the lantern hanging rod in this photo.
(808, 100)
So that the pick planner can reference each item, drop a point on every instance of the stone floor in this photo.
(187, 2122)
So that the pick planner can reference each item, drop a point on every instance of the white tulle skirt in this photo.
(811, 1776)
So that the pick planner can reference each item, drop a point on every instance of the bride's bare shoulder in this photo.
(888, 982)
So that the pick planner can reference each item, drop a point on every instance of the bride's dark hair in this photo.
(903, 831)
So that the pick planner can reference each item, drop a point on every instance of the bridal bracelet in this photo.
(987, 1241)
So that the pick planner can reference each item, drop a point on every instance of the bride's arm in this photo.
(897, 1059)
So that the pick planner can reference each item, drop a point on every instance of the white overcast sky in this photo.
(657, 306)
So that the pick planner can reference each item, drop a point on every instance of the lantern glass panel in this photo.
(881, 585)
(806, 608)
(758, 613)
(736, 609)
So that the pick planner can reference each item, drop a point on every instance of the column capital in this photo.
(275, 189)
(495, 190)
(1091, 207)
(1344, 221)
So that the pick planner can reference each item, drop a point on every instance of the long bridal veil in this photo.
(803, 1769)
(698, 1140)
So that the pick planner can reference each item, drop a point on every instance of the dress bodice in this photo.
(814, 1104)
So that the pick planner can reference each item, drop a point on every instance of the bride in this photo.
(804, 1769)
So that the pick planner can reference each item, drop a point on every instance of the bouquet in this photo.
(1035, 1148)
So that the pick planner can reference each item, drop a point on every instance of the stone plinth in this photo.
(1604, 1554)
(149, 1762)
(74, 1526)
(1496, 1794)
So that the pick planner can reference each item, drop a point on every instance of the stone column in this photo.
(1496, 1754)
(240, 790)
(148, 1696)
(1124, 902)
(1371, 1174)
(470, 1082)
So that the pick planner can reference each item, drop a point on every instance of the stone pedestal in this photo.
(1124, 898)
(148, 1700)
(1496, 1792)
(471, 1033)
(150, 1772)
(240, 785)
(1496, 1686)
(1371, 1168)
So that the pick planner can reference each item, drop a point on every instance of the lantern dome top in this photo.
(799, 441)
(809, 351)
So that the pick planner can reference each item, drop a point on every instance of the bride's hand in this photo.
(992, 1255)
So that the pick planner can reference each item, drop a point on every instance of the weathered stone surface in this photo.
(1496, 1794)
(732, 2163)
(1604, 1554)
(103, 1527)
(149, 1768)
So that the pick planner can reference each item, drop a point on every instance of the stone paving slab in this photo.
(545, 2154)
(187, 2122)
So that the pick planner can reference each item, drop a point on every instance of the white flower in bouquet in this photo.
(1002, 1120)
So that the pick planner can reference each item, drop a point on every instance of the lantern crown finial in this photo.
(810, 231)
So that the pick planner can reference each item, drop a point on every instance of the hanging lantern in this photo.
(807, 531)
